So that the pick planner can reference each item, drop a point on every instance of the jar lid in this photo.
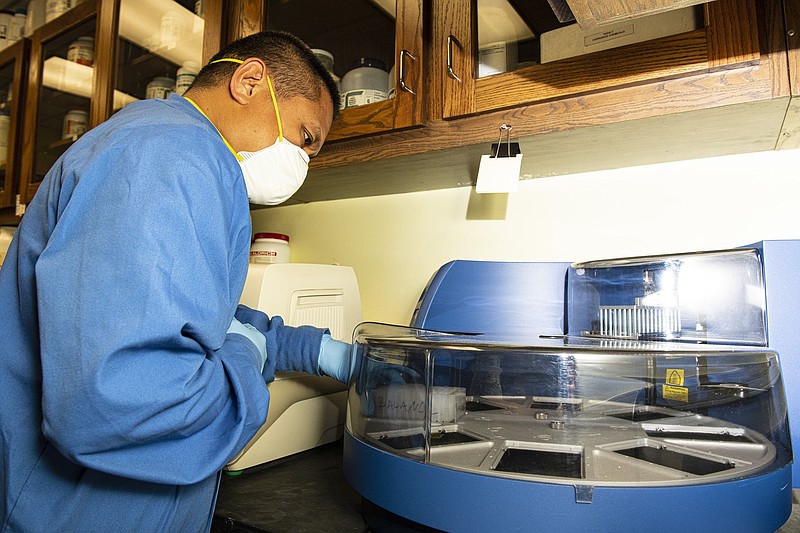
(279, 236)
(321, 52)
(369, 62)
(78, 110)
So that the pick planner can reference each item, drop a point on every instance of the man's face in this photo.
(305, 122)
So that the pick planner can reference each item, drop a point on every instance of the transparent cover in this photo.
(715, 297)
(576, 411)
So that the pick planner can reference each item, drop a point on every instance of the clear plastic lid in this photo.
(601, 412)
(716, 297)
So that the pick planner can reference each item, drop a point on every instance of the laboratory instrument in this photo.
(630, 394)
(305, 411)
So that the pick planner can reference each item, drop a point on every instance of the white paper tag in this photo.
(498, 174)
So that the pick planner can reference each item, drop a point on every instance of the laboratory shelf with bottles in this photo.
(91, 58)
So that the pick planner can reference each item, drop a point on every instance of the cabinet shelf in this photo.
(74, 78)
(177, 39)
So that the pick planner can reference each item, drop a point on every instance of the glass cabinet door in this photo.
(13, 62)
(374, 50)
(506, 53)
(160, 48)
(61, 92)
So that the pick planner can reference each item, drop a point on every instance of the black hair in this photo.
(293, 67)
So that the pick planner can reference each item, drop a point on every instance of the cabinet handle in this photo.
(450, 40)
(403, 54)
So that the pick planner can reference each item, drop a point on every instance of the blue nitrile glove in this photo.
(335, 359)
(254, 336)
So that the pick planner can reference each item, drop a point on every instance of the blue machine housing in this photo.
(522, 301)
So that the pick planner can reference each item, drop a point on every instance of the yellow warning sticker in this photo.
(675, 376)
(679, 394)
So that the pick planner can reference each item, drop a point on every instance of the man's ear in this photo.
(247, 80)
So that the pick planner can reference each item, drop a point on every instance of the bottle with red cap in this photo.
(270, 248)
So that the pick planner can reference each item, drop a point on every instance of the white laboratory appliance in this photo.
(305, 411)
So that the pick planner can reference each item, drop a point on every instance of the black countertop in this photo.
(306, 492)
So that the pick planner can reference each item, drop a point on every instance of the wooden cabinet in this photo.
(727, 39)
(389, 32)
(13, 62)
(720, 88)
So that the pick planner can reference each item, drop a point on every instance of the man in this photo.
(126, 381)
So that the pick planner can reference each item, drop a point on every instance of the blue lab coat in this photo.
(121, 396)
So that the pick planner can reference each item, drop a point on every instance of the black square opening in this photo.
(675, 460)
(541, 462)
(639, 416)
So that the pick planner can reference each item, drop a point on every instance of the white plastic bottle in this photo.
(76, 122)
(365, 83)
(160, 87)
(5, 27)
(270, 248)
(35, 16)
(171, 29)
(17, 26)
(326, 58)
(185, 76)
(56, 8)
(5, 122)
(82, 51)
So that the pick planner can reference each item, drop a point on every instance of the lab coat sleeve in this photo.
(288, 348)
(136, 289)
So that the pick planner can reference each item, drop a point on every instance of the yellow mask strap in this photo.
(271, 93)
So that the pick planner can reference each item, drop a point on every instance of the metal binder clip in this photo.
(511, 149)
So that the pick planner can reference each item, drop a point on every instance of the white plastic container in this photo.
(171, 29)
(76, 122)
(5, 26)
(160, 87)
(82, 51)
(34, 16)
(366, 83)
(270, 248)
(185, 77)
(5, 123)
(326, 58)
(56, 8)
(391, 89)
(17, 26)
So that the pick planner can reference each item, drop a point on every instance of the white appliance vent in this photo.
(322, 309)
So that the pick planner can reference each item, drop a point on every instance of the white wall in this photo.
(395, 243)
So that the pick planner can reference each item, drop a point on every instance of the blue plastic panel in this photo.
(450, 500)
(781, 261)
(515, 299)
